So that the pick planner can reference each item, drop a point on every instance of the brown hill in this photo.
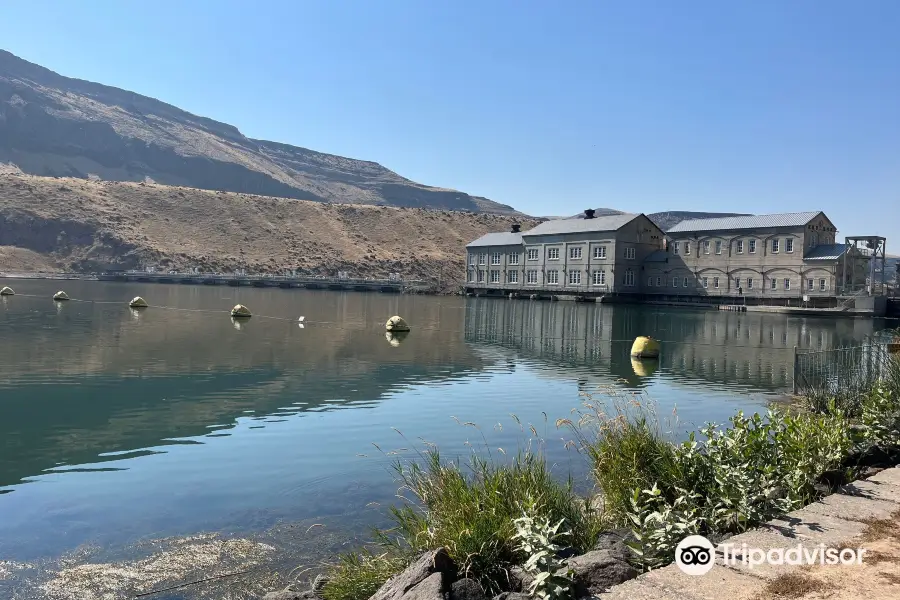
(58, 126)
(83, 225)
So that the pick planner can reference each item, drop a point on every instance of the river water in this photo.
(118, 427)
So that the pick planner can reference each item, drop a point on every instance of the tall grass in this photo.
(470, 508)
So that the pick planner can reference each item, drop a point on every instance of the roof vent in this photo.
(589, 213)
(515, 228)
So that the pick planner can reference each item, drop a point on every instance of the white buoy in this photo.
(7, 291)
(240, 311)
(60, 296)
(138, 302)
(396, 323)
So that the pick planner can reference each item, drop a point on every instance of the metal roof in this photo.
(604, 223)
(826, 252)
(657, 256)
(503, 238)
(749, 222)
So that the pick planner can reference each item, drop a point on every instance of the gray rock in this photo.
(467, 589)
(615, 541)
(512, 596)
(290, 595)
(432, 588)
(436, 561)
(519, 580)
(597, 571)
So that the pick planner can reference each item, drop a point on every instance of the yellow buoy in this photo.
(240, 311)
(396, 324)
(138, 302)
(395, 338)
(7, 291)
(645, 347)
(60, 296)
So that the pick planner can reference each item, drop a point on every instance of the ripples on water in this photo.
(118, 425)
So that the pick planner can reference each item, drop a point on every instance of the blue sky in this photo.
(763, 106)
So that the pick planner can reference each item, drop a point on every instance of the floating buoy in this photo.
(240, 311)
(60, 296)
(7, 291)
(395, 338)
(138, 302)
(396, 323)
(645, 347)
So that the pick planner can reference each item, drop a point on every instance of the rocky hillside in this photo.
(57, 126)
(82, 225)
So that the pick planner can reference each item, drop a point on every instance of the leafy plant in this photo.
(552, 580)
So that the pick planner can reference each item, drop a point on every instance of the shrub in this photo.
(538, 542)
(472, 512)
(357, 576)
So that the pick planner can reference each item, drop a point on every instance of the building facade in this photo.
(756, 258)
(584, 257)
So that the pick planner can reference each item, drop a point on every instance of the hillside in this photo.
(83, 225)
(56, 126)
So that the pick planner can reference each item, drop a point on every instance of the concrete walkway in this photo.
(835, 521)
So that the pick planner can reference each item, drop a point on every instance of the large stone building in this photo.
(762, 259)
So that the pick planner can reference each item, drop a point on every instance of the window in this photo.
(685, 284)
(482, 258)
(473, 259)
(706, 247)
(650, 281)
(675, 248)
(737, 282)
(658, 281)
(718, 247)
(495, 258)
(513, 258)
(810, 284)
(552, 253)
(574, 277)
(531, 276)
(629, 277)
(512, 276)
(749, 283)
(774, 283)
(495, 276)
(472, 276)
(716, 282)
(740, 246)
(823, 285)
(532, 254)
(553, 277)
(674, 282)
(705, 281)
(775, 246)
(480, 276)
(687, 248)
(629, 253)
(787, 283)
(600, 252)
(751, 246)
(599, 278)
(575, 252)
(789, 245)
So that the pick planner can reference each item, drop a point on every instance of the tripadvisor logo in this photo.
(695, 555)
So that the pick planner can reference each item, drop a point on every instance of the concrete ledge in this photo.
(720, 582)
(762, 539)
(809, 525)
(891, 476)
(873, 490)
(855, 508)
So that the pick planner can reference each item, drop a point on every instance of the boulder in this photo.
(615, 542)
(597, 571)
(467, 589)
(512, 596)
(519, 579)
(290, 595)
(436, 562)
(432, 588)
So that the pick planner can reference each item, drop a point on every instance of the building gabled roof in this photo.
(749, 222)
(503, 238)
(826, 252)
(604, 223)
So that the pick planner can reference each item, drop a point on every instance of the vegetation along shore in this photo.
(507, 527)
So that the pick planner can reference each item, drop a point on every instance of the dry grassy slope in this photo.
(86, 225)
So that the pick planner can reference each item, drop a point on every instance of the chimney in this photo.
(515, 228)
(589, 213)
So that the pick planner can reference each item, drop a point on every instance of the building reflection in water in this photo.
(744, 351)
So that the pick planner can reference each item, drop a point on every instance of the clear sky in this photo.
(550, 106)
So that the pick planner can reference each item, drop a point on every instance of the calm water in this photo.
(118, 426)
